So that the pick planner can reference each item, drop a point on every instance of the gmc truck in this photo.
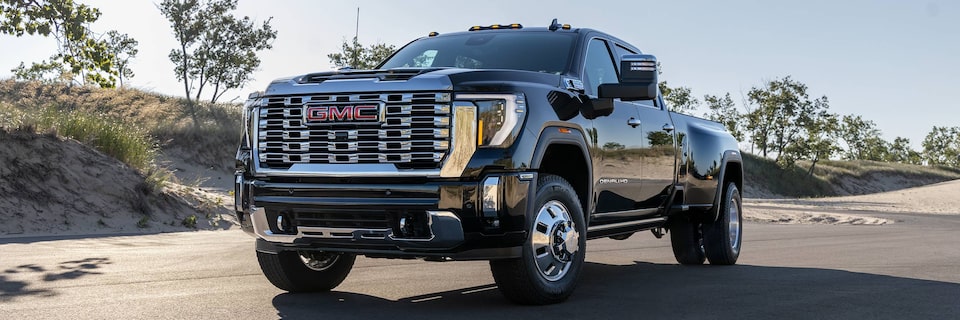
(502, 143)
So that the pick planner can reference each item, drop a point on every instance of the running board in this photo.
(653, 222)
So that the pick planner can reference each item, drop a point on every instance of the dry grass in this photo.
(841, 178)
(765, 175)
(204, 134)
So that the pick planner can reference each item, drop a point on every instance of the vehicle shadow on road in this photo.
(16, 281)
(646, 290)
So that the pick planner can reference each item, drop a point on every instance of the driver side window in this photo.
(599, 67)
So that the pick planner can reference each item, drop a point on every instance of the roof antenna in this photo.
(554, 25)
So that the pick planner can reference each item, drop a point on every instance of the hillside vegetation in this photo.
(203, 135)
(90, 160)
(765, 179)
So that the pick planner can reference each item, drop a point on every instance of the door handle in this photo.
(633, 122)
(668, 127)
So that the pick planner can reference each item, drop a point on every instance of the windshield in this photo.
(547, 52)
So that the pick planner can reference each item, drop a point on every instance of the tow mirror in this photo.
(638, 79)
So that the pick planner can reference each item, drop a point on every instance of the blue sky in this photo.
(894, 62)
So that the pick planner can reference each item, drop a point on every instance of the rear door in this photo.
(659, 154)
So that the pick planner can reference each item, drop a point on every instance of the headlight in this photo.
(499, 117)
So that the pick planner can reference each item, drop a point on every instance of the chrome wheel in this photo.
(318, 260)
(555, 240)
(733, 223)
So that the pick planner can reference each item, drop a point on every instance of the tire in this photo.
(722, 238)
(549, 267)
(289, 270)
(686, 240)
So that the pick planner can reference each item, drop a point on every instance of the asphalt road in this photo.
(908, 270)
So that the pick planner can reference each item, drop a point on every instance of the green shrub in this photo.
(190, 221)
(125, 142)
(143, 222)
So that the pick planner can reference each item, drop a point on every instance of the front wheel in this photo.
(305, 271)
(722, 238)
(553, 254)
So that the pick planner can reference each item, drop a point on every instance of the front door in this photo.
(616, 140)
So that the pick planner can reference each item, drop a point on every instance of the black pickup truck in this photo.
(501, 143)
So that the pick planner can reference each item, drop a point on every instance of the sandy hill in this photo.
(830, 178)
(59, 178)
(50, 185)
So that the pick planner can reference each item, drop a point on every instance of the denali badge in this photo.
(337, 114)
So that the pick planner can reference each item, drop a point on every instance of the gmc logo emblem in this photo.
(330, 114)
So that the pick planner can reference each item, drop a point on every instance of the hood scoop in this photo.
(397, 74)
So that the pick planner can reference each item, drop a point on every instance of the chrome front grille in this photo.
(413, 131)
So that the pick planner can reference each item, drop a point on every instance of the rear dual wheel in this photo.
(718, 241)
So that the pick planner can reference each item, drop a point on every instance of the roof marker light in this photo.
(497, 27)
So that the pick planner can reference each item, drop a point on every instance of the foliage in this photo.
(942, 146)
(901, 152)
(356, 56)
(123, 48)
(773, 123)
(190, 221)
(82, 57)
(820, 140)
(216, 50)
(679, 99)
(143, 222)
(613, 146)
(659, 138)
(122, 141)
(863, 139)
(724, 111)
(786, 122)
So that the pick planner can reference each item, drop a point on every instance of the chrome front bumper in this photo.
(446, 231)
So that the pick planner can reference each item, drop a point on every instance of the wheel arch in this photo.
(563, 151)
(730, 171)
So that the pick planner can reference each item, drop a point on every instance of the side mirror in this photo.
(638, 79)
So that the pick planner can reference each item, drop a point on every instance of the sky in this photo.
(896, 63)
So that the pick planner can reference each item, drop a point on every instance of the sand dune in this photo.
(50, 185)
(940, 198)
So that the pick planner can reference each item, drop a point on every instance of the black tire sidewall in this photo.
(717, 244)
(685, 240)
(288, 272)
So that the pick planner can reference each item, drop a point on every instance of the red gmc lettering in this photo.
(342, 113)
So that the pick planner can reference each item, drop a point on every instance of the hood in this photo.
(408, 80)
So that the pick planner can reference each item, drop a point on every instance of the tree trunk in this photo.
(216, 90)
(813, 163)
(185, 73)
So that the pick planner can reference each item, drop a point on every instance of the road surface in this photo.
(907, 270)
